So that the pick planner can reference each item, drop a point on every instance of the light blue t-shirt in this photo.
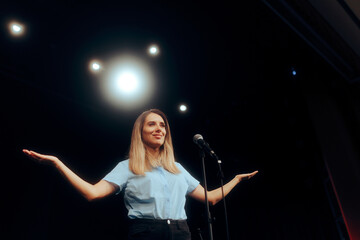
(157, 195)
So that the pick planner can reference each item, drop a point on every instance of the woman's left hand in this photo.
(245, 176)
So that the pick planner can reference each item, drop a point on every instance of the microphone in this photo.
(199, 140)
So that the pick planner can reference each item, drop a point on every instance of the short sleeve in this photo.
(119, 175)
(191, 181)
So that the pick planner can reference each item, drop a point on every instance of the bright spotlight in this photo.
(183, 108)
(128, 82)
(153, 50)
(95, 66)
(16, 29)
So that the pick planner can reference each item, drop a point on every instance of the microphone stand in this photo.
(202, 154)
(223, 196)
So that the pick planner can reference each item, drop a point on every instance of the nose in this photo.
(158, 128)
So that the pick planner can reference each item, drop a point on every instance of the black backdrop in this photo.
(231, 65)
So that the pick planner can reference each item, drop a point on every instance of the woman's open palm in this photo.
(246, 176)
(41, 158)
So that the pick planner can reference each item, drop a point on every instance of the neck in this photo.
(153, 152)
(153, 157)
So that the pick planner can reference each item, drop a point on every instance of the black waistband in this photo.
(164, 221)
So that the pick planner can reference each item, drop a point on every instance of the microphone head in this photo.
(197, 137)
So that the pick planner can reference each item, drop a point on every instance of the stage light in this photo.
(16, 29)
(95, 66)
(183, 108)
(127, 82)
(293, 72)
(153, 50)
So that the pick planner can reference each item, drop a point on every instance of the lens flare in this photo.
(153, 50)
(128, 82)
(16, 29)
(183, 108)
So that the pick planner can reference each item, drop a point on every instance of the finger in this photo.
(253, 174)
(39, 155)
(250, 175)
(35, 153)
(28, 153)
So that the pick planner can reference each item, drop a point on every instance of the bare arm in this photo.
(215, 195)
(87, 190)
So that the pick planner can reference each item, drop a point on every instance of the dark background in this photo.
(231, 65)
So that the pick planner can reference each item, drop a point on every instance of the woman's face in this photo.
(154, 131)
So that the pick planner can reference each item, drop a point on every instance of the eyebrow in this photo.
(162, 122)
(152, 121)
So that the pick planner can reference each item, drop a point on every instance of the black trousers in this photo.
(148, 229)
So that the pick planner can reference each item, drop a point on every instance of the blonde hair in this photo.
(140, 160)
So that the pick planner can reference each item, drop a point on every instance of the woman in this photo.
(155, 186)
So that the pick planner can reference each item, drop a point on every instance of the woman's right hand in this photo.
(89, 191)
(41, 158)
